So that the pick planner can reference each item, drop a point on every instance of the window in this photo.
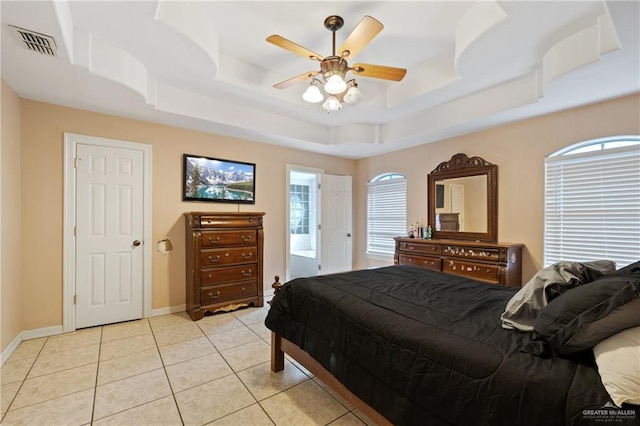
(299, 209)
(592, 202)
(386, 212)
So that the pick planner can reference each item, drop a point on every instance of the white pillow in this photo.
(618, 359)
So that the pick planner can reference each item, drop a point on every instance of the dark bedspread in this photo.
(427, 348)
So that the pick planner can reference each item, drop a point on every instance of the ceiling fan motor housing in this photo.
(333, 65)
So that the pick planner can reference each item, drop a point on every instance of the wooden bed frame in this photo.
(281, 346)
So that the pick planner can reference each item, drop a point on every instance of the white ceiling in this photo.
(205, 65)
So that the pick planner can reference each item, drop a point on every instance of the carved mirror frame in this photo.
(462, 166)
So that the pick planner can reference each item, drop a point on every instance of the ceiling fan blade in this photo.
(379, 71)
(363, 33)
(293, 47)
(295, 80)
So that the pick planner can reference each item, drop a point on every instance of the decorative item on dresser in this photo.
(224, 254)
(496, 263)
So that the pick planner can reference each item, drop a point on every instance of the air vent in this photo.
(36, 42)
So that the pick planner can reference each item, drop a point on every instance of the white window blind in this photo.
(592, 206)
(386, 214)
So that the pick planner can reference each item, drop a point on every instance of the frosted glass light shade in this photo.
(353, 95)
(312, 94)
(332, 104)
(335, 84)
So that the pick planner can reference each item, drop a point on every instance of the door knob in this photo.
(136, 243)
(349, 234)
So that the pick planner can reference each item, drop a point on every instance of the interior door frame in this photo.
(311, 170)
(71, 140)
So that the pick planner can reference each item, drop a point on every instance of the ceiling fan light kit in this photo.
(353, 95)
(313, 94)
(335, 67)
(332, 104)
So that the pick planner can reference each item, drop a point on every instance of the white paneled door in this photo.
(109, 234)
(336, 224)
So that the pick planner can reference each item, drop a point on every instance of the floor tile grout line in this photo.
(22, 382)
(135, 375)
(247, 327)
(95, 386)
(166, 374)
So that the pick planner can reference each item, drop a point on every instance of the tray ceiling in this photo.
(205, 65)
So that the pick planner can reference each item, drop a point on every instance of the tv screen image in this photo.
(218, 180)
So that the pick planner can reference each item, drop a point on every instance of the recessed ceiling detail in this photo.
(204, 65)
(186, 19)
(581, 48)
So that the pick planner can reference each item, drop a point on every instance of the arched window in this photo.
(386, 212)
(592, 202)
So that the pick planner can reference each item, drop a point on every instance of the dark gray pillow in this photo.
(548, 283)
(583, 273)
(586, 315)
(627, 270)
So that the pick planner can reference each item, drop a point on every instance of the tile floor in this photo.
(165, 370)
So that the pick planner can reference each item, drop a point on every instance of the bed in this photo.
(411, 346)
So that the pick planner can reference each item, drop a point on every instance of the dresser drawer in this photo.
(228, 238)
(228, 274)
(479, 253)
(221, 221)
(473, 270)
(420, 248)
(225, 293)
(228, 256)
(432, 263)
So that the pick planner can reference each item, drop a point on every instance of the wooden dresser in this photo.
(224, 261)
(496, 263)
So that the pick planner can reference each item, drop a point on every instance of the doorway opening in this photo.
(303, 219)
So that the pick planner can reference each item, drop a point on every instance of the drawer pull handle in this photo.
(242, 288)
(247, 256)
(212, 241)
(246, 238)
(214, 296)
(213, 260)
(246, 273)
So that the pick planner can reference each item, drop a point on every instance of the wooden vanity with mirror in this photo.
(463, 212)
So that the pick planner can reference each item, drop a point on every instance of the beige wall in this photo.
(10, 285)
(43, 126)
(519, 150)
(32, 148)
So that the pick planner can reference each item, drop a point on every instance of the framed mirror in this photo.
(463, 199)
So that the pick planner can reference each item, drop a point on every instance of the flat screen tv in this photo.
(218, 180)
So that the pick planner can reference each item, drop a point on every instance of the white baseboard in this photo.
(29, 335)
(12, 347)
(168, 310)
(42, 332)
(57, 329)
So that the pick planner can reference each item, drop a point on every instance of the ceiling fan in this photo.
(334, 68)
